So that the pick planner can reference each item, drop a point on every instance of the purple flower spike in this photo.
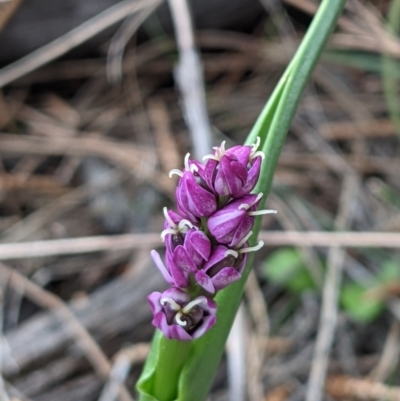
(180, 318)
(194, 198)
(235, 220)
(233, 172)
(204, 260)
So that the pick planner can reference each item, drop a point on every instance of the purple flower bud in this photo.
(180, 318)
(194, 198)
(223, 268)
(235, 220)
(233, 172)
(173, 275)
(187, 249)
(225, 265)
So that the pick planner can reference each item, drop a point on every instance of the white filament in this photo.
(168, 218)
(175, 171)
(184, 225)
(192, 304)
(171, 302)
(260, 212)
(178, 318)
(231, 252)
(167, 231)
(252, 248)
(187, 161)
(219, 152)
(243, 241)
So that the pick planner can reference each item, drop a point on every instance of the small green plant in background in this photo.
(286, 268)
(363, 302)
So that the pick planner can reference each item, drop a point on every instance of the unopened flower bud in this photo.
(234, 221)
(233, 172)
(193, 197)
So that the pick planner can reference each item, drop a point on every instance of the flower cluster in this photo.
(207, 240)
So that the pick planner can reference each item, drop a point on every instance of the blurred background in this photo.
(92, 120)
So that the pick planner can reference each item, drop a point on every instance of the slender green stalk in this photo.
(164, 362)
(195, 378)
(390, 69)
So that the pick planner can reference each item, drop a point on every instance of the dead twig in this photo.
(189, 76)
(344, 388)
(390, 354)
(120, 369)
(75, 246)
(47, 300)
(70, 40)
(330, 296)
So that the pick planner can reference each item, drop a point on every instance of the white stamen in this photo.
(168, 218)
(244, 206)
(192, 304)
(213, 157)
(184, 225)
(179, 320)
(187, 162)
(260, 212)
(254, 148)
(244, 240)
(167, 231)
(222, 148)
(219, 152)
(193, 168)
(232, 253)
(252, 248)
(171, 302)
(259, 196)
(175, 171)
(257, 154)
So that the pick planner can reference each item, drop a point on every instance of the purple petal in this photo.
(179, 296)
(245, 226)
(241, 153)
(183, 261)
(193, 200)
(217, 255)
(252, 176)
(154, 301)
(159, 263)
(170, 331)
(204, 281)
(208, 173)
(178, 333)
(223, 225)
(225, 277)
(179, 276)
(206, 325)
(198, 246)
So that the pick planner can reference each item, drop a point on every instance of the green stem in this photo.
(165, 361)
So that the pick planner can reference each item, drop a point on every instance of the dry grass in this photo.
(81, 158)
